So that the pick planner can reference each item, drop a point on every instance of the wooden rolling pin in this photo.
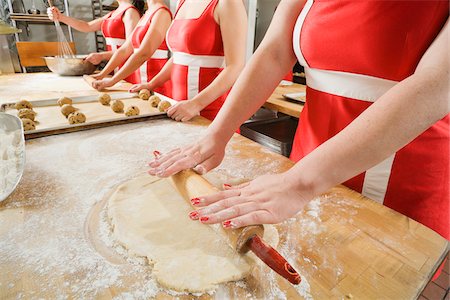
(190, 185)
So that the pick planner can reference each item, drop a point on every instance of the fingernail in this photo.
(199, 169)
(227, 224)
(195, 201)
(156, 154)
(204, 219)
(226, 186)
(193, 215)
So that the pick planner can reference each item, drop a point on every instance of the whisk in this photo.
(64, 49)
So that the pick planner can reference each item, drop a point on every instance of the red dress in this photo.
(113, 30)
(198, 56)
(364, 48)
(153, 65)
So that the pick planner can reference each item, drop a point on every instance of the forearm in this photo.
(252, 88)
(162, 76)
(106, 55)
(79, 25)
(393, 121)
(116, 60)
(132, 64)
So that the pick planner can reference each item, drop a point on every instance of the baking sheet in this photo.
(296, 97)
(50, 120)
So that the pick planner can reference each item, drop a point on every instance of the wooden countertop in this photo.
(278, 103)
(342, 244)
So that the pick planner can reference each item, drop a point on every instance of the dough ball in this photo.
(76, 118)
(28, 124)
(144, 94)
(154, 101)
(26, 113)
(64, 100)
(117, 106)
(164, 105)
(104, 99)
(132, 111)
(23, 104)
(67, 109)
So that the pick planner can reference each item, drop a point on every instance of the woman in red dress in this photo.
(144, 53)
(207, 39)
(376, 116)
(115, 26)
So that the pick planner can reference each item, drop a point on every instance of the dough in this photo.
(104, 98)
(28, 124)
(67, 109)
(132, 111)
(26, 113)
(150, 218)
(117, 106)
(76, 118)
(23, 104)
(144, 94)
(64, 100)
(164, 105)
(154, 101)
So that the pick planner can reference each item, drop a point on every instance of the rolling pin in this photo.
(190, 185)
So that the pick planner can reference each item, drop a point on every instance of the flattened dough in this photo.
(151, 219)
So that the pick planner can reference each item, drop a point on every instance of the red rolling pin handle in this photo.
(273, 259)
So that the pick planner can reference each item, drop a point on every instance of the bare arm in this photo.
(157, 81)
(130, 19)
(152, 40)
(80, 25)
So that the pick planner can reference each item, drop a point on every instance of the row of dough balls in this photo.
(26, 114)
(118, 106)
(70, 112)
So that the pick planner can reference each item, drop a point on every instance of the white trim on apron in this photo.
(158, 54)
(114, 43)
(194, 63)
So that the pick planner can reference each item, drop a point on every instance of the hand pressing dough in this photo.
(23, 104)
(132, 111)
(164, 105)
(64, 100)
(117, 106)
(28, 124)
(67, 109)
(150, 219)
(154, 101)
(104, 98)
(26, 113)
(76, 118)
(144, 94)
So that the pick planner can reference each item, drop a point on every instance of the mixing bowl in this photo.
(69, 66)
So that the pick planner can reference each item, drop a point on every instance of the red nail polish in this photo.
(195, 201)
(193, 215)
(156, 154)
(204, 219)
(226, 185)
(226, 224)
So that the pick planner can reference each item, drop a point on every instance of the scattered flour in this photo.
(11, 159)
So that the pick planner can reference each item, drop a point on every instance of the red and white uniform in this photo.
(153, 65)
(198, 56)
(353, 52)
(113, 30)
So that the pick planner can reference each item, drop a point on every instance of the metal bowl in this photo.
(76, 66)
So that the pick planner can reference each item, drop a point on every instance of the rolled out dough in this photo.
(150, 219)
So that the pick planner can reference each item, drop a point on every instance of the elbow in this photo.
(235, 69)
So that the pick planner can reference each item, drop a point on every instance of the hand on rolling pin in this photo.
(95, 58)
(202, 156)
(53, 13)
(102, 84)
(268, 199)
(184, 111)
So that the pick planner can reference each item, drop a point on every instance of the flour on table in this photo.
(11, 157)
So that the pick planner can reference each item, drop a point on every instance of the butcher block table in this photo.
(277, 102)
(55, 240)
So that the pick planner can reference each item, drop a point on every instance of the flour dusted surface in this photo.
(11, 157)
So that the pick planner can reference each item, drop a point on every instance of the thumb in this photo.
(208, 164)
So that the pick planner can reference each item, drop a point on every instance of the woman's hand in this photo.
(98, 76)
(137, 87)
(204, 155)
(53, 13)
(268, 199)
(184, 111)
(94, 58)
(102, 84)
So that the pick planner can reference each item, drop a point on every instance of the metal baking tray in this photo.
(65, 127)
(299, 97)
